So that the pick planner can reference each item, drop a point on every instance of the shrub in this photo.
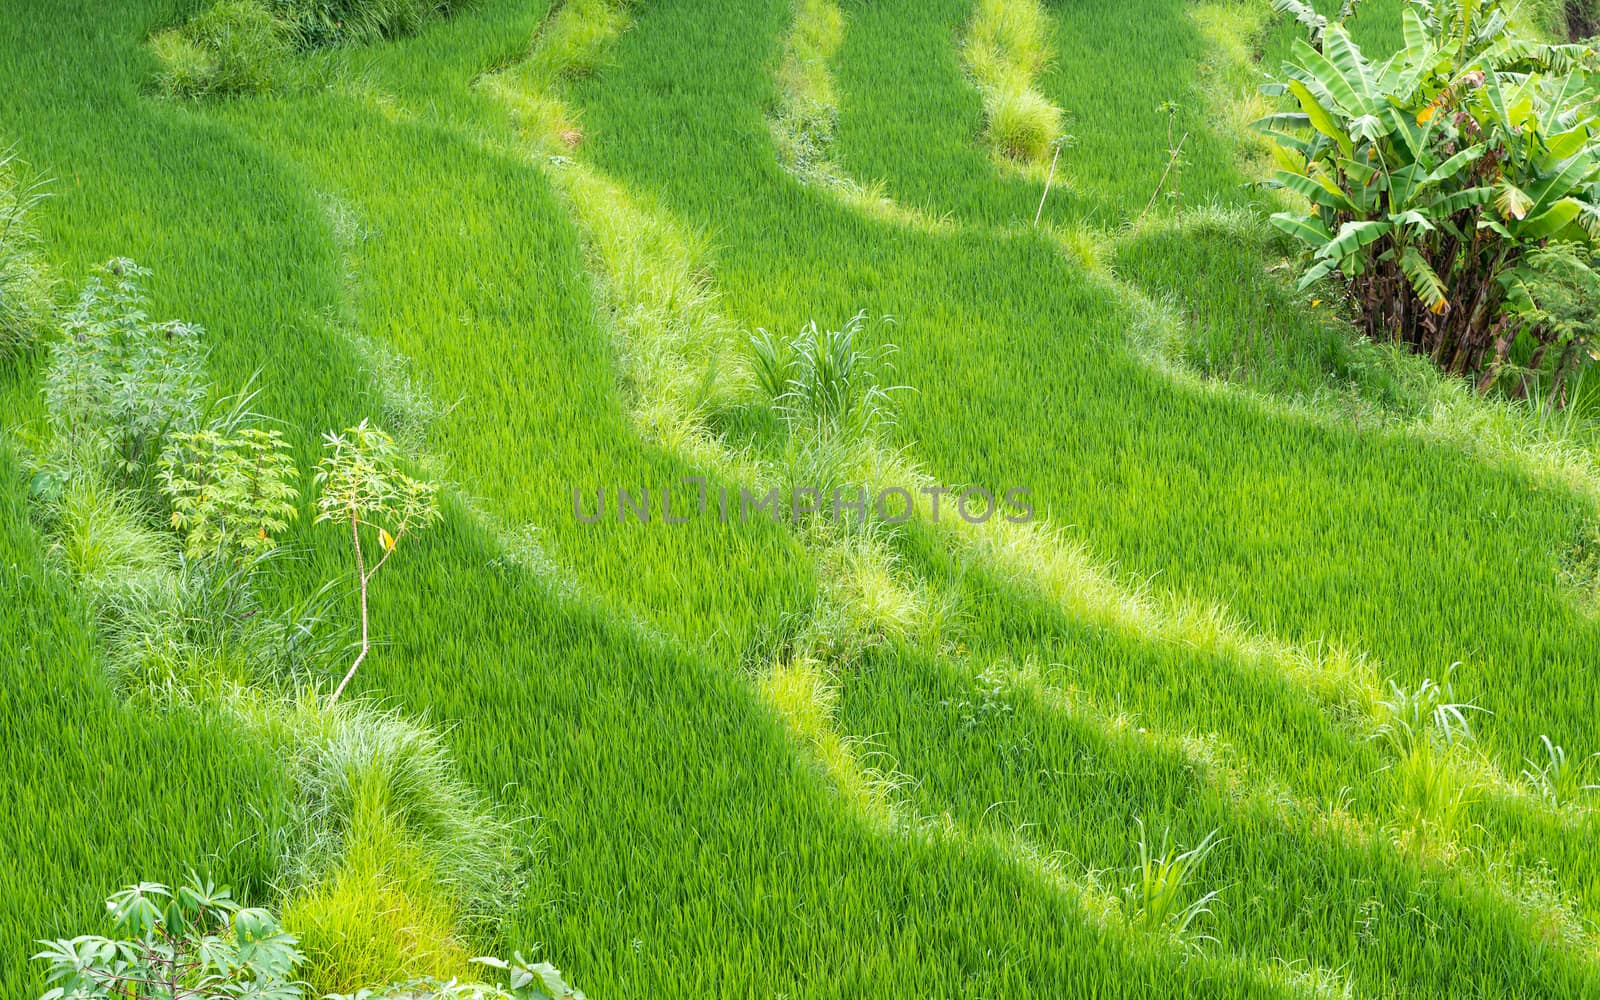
(118, 384)
(230, 47)
(195, 943)
(25, 287)
(231, 492)
(1451, 187)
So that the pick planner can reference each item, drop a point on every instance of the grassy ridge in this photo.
(1138, 448)
(694, 845)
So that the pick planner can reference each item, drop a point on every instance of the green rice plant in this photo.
(361, 484)
(1558, 780)
(229, 47)
(119, 384)
(25, 285)
(192, 943)
(1159, 898)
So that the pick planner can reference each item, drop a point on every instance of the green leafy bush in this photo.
(230, 491)
(119, 384)
(25, 306)
(195, 943)
(1451, 187)
(230, 47)
(198, 943)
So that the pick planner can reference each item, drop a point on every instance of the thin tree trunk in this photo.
(361, 574)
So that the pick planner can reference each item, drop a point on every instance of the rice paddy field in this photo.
(538, 241)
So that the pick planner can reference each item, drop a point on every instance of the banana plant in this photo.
(1427, 177)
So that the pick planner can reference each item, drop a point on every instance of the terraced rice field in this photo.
(770, 757)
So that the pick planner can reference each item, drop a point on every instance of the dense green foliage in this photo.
(229, 491)
(248, 46)
(907, 764)
(1456, 187)
(230, 47)
(25, 305)
(195, 942)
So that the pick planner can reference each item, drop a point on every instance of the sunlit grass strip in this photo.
(1229, 76)
(668, 333)
(804, 693)
(807, 118)
(1006, 47)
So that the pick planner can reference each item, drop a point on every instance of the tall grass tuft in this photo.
(1159, 897)
(350, 758)
(319, 23)
(230, 47)
(376, 917)
(1559, 779)
(25, 285)
(1007, 46)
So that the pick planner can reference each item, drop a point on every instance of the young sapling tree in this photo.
(363, 486)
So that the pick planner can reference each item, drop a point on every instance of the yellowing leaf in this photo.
(1439, 306)
(1315, 303)
(1426, 114)
(386, 540)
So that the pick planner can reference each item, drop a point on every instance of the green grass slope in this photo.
(394, 237)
